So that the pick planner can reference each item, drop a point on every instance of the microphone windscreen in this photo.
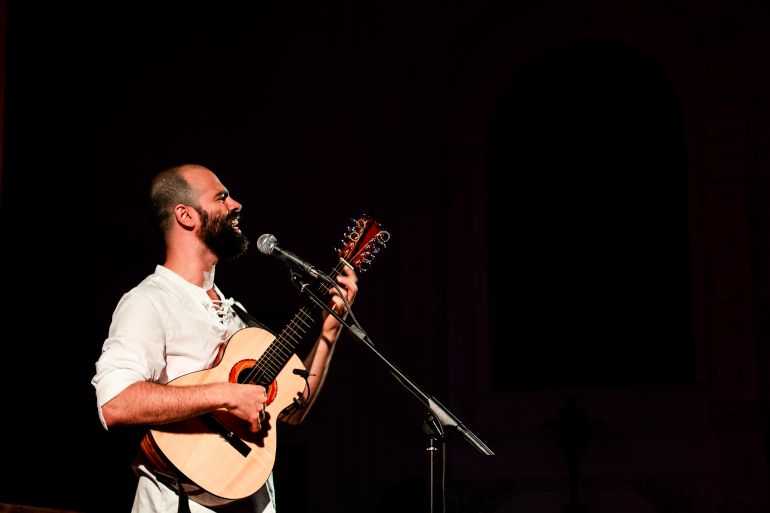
(266, 243)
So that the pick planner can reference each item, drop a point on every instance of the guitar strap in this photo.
(248, 318)
(176, 484)
(184, 501)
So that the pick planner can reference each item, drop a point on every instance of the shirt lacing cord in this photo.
(223, 309)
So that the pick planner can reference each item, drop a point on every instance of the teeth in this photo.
(234, 222)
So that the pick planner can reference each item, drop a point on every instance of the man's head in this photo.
(191, 198)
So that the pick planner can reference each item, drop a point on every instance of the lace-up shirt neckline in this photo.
(222, 307)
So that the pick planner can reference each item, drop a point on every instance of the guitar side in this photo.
(227, 461)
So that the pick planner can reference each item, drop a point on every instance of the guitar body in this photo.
(216, 471)
(215, 456)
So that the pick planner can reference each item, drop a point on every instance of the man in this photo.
(177, 321)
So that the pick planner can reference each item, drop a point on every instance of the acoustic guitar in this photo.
(215, 456)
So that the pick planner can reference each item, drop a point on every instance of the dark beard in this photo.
(220, 237)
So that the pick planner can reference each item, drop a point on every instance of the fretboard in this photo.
(278, 353)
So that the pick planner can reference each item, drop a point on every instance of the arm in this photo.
(145, 402)
(131, 368)
(318, 360)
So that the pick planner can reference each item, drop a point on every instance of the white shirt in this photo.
(161, 329)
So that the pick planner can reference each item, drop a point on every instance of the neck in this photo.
(198, 270)
(208, 278)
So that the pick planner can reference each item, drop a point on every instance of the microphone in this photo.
(268, 244)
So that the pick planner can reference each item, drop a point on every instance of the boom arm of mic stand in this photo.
(439, 411)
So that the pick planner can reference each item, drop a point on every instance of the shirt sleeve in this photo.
(133, 351)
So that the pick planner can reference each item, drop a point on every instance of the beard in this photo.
(220, 237)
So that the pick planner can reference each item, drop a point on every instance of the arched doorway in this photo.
(587, 204)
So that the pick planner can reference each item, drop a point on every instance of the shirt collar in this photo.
(194, 289)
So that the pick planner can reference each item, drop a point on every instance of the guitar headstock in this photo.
(362, 242)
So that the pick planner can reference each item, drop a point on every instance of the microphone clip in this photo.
(296, 279)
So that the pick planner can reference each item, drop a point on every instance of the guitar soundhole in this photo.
(245, 372)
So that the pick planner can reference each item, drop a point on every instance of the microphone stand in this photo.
(438, 416)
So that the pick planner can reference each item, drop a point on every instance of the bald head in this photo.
(171, 187)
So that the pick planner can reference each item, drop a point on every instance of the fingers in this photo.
(349, 283)
(250, 404)
(348, 278)
(260, 414)
(261, 401)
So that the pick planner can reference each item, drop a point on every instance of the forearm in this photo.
(319, 359)
(150, 403)
(317, 364)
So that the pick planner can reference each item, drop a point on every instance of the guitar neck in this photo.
(277, 355)
(359, 247)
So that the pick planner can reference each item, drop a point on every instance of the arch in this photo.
(665, 40)
(586, 183)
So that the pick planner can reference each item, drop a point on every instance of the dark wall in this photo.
(455, 126)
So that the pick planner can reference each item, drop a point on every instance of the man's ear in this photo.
(186, 216)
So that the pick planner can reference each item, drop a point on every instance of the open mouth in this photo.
(234, 224)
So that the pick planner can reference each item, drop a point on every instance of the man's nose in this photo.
(233, 205)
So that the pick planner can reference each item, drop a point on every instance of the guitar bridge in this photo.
(231, 438)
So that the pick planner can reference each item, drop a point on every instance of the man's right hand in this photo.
(248, 403)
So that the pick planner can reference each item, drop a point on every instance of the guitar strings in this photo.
(272, 361)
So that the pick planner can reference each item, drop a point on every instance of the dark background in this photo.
(577, 199)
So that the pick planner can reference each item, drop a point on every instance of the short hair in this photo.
(168, 189)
